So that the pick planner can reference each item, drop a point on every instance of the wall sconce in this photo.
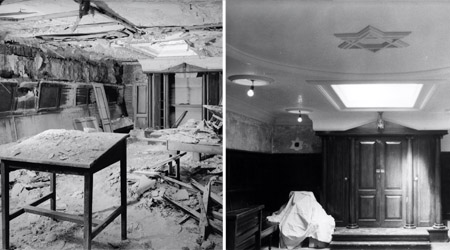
(380, 121)
(252, 81)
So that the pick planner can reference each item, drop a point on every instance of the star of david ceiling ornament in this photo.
(372, 39)
(297, 144)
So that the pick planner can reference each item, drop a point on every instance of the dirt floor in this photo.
(153, 223)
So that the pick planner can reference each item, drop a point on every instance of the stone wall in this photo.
(247, 134)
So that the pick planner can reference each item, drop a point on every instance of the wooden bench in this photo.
(244, 228)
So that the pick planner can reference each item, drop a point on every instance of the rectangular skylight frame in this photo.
(378, 95)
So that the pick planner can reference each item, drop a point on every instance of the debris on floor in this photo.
(158, 205)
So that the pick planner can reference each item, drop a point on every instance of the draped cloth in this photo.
(300, 218)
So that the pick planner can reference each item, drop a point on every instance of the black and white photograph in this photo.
(111, 124)
(337, 120)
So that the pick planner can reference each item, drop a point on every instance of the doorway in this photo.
(380, 189)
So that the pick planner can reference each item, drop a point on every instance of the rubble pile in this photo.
(155, 221)
(193, 131)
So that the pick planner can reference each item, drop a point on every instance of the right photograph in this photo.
(337, 121)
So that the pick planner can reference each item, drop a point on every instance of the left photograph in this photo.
(111, 124)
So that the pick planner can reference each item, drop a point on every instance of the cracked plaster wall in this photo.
(20, 61)
(244, 133)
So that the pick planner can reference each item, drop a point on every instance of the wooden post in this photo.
(409, 187)
(53, 191)
(323, 199)
(352, 188)
(88, 191)
(5, 205)
(437, 187)
(123, 190)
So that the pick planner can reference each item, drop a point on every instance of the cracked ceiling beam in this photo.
(41, 17)
(102, 10)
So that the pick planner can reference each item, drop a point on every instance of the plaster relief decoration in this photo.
(372, 39)
(297, 144)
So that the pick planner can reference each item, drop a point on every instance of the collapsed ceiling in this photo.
(125, 30)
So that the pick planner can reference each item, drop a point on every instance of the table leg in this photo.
(177, 164)
(88, 188)
(5, 205)
(53, 191)
(123, 193)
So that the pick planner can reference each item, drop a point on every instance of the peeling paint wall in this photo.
(296, 139)
(247, 134)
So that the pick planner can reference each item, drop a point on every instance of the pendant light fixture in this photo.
(252, 81)
(299, 112)
(251, 91)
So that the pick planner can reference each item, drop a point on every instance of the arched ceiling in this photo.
(296, 42)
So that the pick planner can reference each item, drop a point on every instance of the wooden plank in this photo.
(216, 225)
(106, 222)
(103, 108)
(200, 148)
(180, 119)
(186, 185)
(195, 214)
(104, 11)
(173, 158)
(184, 219)
(200, 187)
(58, 215)
(42, 17)
(217, 215)
(203, 224)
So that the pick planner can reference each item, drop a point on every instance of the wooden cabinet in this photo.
(388, 178)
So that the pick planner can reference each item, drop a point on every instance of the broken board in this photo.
(103, 108)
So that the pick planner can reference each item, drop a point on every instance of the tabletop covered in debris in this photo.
(60, 145)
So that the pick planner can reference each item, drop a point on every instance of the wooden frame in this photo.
(115, 153)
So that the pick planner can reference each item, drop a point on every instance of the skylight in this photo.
(402, 95)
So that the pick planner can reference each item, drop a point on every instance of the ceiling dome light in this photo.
(251, 80)
(251, 91)
(299, 111)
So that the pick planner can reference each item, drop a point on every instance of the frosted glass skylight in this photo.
(378, 95)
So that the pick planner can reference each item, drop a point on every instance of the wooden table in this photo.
(175, 147)
(114, 150)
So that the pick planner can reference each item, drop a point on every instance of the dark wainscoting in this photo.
(445, 184)
(265, 178)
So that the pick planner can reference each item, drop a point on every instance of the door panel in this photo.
(392, 183)
(368, 198)
(380, 168)
(141, 111)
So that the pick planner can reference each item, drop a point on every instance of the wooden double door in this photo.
(380, 190)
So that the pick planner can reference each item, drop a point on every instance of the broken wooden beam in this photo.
(216, 225)
(109, 13)
(195, 214)
(42, 17)
(186, 185)
(173, 158)
(200, 187)
(203, 223)
(148, 173)
(217, 215)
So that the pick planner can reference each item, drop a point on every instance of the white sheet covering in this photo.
(300, 218)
